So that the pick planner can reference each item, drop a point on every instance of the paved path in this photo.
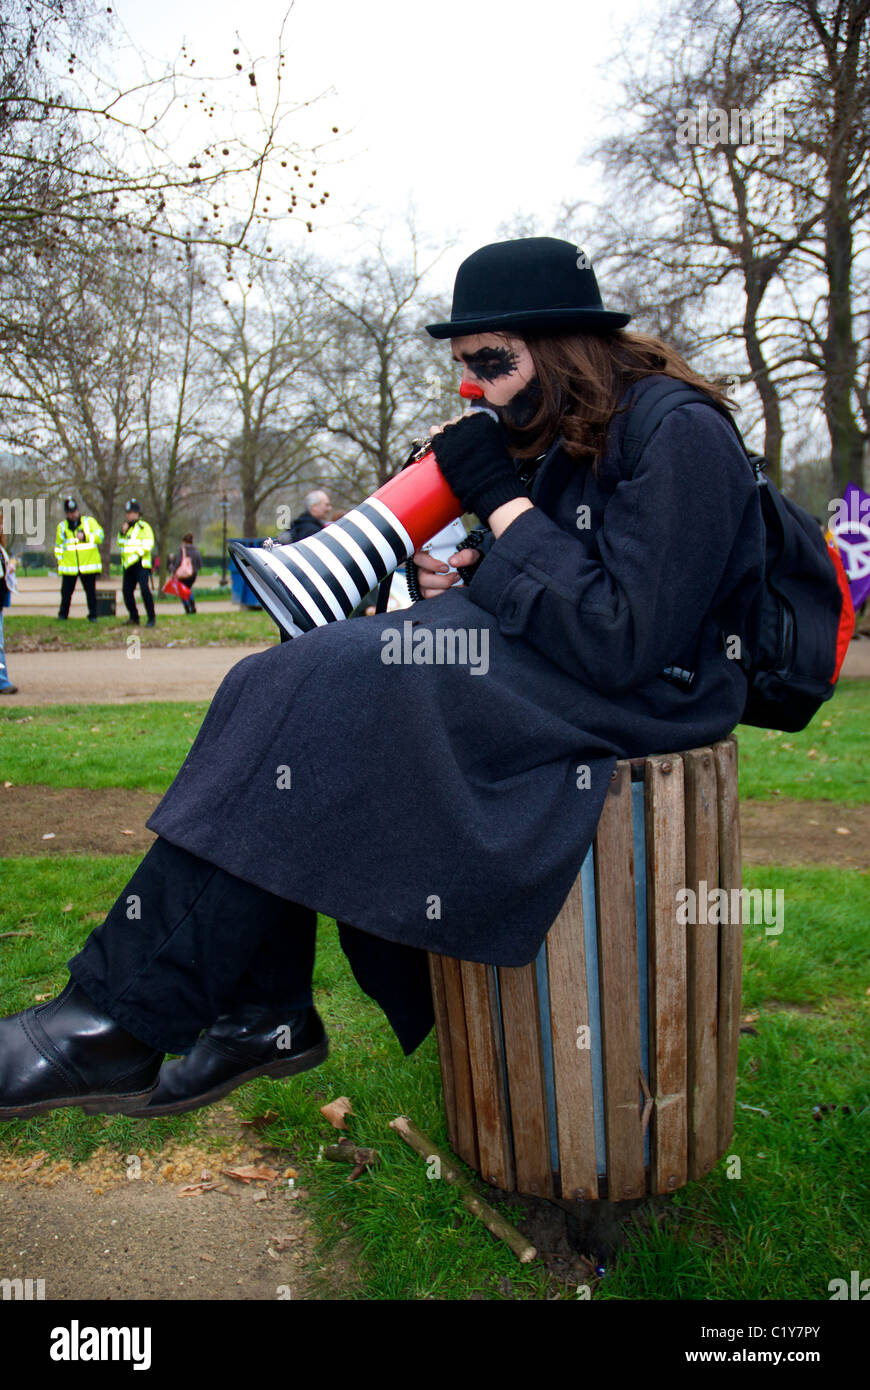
(42, 597)
(112, 678)
(165, 673)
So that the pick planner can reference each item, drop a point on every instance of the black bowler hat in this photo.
(537, 282)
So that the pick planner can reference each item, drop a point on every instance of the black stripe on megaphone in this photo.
(275, 592)
(308, 551)
(304, 586)
(338, 543)
(366, 543)
(386, 528)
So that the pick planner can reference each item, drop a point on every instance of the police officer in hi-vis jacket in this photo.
(136, 540)
(76, 549)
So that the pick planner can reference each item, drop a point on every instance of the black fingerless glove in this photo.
(473, 456)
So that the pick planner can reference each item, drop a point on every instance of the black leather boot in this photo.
(66, 1052)
(254, 1040)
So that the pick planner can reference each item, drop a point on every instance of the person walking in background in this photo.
(7, 579)
(136, 542)
(318, 510)
(185, 566)
(76, 549)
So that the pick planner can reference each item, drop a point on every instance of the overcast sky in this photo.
(473, 114)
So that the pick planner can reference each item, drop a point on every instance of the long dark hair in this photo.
(582, 377)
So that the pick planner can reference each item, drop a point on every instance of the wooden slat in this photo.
(487, 1075)
(522, 1040)
(666, 870)
(618, 988)
(730, 938)
(702, 959)
(465, 1143)
(445, 1055)
(572, 1066)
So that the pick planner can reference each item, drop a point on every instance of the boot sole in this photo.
(91, 1105)
(272, 1071)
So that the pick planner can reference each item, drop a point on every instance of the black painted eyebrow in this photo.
(483, 352)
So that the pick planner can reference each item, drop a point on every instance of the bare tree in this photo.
(174, 435)
(829, 55)
(80, 152)
(73, 392)
(378, 379)
(697, 215)
(261, 348)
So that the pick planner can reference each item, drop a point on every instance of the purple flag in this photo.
(850, 527)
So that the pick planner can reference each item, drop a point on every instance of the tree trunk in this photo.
(108, 543)
(773, 432)
(840, 354)
(844, 153)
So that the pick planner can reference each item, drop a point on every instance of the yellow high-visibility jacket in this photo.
(137, 544)
(74, 556)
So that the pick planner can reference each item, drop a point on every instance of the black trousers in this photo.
(189, 603)
(186, 942)
(133, 575)
(67, 585)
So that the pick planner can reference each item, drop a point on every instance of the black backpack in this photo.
(803, 616)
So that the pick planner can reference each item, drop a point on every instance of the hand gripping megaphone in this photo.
(323, 578)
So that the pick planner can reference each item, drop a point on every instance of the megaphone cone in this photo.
(321, 579)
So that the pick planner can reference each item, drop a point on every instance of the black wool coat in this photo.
(448, 806)
(305, 525)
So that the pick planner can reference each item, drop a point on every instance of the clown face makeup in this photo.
(502, 366)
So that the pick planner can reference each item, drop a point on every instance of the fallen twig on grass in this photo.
(499, 1227)
(345, 1151)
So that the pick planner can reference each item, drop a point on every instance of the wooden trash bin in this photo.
(607, 1068)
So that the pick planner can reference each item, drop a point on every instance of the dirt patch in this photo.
(112, 821)
(122, 1227)
(105, 821)
(143, 1241)
(107, 677)
(805, 832)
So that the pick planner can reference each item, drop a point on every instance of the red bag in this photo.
(175, 586)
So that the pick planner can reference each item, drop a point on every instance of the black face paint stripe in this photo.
(491, 363)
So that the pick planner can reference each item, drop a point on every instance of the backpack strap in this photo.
(663, 396)
(644, 417)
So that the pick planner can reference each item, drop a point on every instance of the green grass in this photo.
(34, 632)
(33, 896)
(795, 1218)
(157, 736)
(827, 761)
(141, 745)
